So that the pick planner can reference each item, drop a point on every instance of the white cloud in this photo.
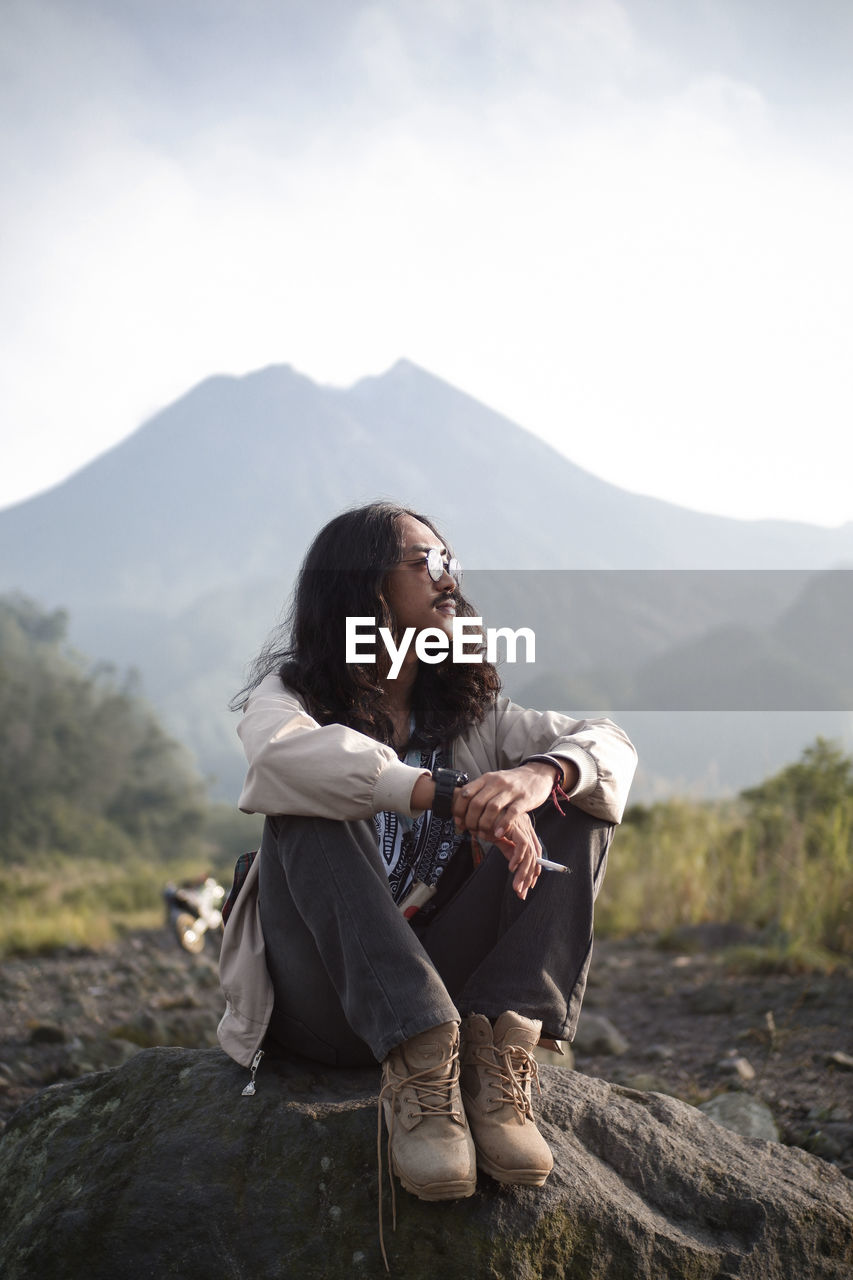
(643, 266)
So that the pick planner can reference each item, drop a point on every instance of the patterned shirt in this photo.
(417, 848)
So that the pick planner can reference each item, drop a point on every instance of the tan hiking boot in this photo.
(429, 1142)
(498, 1069)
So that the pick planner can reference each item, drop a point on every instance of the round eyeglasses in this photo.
(437, 566)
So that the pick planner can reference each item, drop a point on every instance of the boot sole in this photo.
(437, 1190)
(513, 1177)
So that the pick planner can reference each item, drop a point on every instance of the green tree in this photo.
(819, 781)
(800, 839)
(81, 753)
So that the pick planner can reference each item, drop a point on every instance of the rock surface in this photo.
(790, 1027)
(161, 1168)
(743, 1114)
(597, 1035)
(794, 1029)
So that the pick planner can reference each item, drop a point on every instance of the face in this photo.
(415, 599)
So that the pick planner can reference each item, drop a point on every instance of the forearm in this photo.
(602, 759)
(423, 793)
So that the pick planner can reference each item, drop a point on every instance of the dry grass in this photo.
(679, 864)
(73, 903)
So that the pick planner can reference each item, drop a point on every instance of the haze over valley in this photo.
(719, 643)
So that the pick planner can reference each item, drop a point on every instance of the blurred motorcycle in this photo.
(194, 908)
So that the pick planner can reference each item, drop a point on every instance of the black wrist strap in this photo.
(555, 761)
(446, 781)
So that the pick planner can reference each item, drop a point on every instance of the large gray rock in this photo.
(742, 1113)
(161, 1168)
(597, 1035)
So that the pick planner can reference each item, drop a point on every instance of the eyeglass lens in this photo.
(436, 565)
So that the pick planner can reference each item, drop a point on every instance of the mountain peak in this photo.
(405, 368)
(400, 372)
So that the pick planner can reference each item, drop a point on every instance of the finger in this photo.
(522, 889)
(489, 812)
(509, 851)
(462, 800)
(473, 789)
(524, 870)
(524, 885)
(470, 806)
(512, 812)
(458, 806)
(522, 867)
(467, 817)
(529, 868)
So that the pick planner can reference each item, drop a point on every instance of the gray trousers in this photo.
(353, 978)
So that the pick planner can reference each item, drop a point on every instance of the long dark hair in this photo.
(344, 575)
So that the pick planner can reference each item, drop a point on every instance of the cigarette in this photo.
(546, 865)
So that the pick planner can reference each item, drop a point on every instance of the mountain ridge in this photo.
(166, 550)
(406, 382)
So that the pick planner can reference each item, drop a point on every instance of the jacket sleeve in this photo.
(604, 755)
(298, 766)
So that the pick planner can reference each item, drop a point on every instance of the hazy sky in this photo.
(625, 225)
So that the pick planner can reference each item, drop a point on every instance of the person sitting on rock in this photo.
(395, 912)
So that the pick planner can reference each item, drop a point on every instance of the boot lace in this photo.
(513, 1069)
(433, 1097)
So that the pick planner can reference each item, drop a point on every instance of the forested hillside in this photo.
(99, 807)
(85, 768)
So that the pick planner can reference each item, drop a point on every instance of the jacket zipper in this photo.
(249, 1091)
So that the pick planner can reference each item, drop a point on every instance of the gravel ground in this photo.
(674, 1021)
(694, 1029)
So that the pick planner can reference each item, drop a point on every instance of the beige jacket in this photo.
(300, 767)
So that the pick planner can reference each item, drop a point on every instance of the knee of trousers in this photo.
(287, 836)
(572, 826)
(577, 838)
(288, 829)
